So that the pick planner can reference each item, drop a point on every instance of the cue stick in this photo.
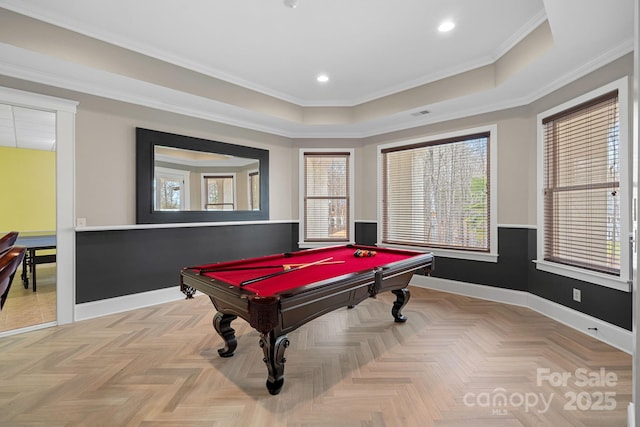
(278, 273)
(285, 266)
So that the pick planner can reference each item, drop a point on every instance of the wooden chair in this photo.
(8, 240)
(9, 262)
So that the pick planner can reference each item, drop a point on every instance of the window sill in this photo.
(449, 253)
(584, 275)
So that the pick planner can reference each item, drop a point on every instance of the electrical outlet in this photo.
(81, 222)
(577, 295)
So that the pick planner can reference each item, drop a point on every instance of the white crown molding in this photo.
(142, 48)
(148, 50)
(602, 60)
(27, 65)
(605, 58)
(534, 22)
(19, 98)
(504, 47)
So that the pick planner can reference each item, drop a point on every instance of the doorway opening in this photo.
(28, 167)
(50, 266)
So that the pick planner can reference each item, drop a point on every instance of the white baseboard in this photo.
(631, 415)
(27, 329)
(613, 335)
(490, 293)
(90, 310)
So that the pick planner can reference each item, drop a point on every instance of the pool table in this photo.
(278, 293)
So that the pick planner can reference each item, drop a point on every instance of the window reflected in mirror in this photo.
(184, 179)
(188, 180)
(220, 192)
(254, 190)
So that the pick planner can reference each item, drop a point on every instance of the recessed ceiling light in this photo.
(446, 26)
(291, 3)
(323, 78)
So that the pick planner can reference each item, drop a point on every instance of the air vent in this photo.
(420, 113)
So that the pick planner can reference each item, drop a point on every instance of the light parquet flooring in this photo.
(24, 307)
(448, 365)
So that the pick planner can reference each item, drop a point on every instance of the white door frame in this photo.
(65, 111)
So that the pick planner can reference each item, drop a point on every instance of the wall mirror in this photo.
(186, 179)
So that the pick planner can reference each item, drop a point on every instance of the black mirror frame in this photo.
(146, 140)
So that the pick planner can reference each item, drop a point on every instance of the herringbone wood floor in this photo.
(158, 366)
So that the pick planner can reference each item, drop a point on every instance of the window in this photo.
(171, 189)
(437, 194)
(219, 192)
(326, 202)
(584, 203)
(254, 190)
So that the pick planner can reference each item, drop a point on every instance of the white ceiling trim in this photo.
(148, 50)
(505, 47)
(25, 99)
(606, 57)
(429, 119)
(144, 49)
(28, 65)
(31, 66)
(517, 37)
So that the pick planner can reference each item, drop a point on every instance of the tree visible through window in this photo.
(170, 193)
(220, 192)
(436, 194)
(326, 196)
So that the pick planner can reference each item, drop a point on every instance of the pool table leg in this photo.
(402, 298)
(222, 324)
(273, 347)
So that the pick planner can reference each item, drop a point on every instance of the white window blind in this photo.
(326, 197)
(436, 194)
(581, 152)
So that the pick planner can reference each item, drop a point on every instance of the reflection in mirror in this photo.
(188, 180)
(185, 179)
(28, 169)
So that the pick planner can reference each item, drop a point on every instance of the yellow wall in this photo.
(28, 191)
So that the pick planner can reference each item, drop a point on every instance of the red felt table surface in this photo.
(303, 276)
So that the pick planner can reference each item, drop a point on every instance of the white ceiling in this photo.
(369, 48)
(27, 128)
